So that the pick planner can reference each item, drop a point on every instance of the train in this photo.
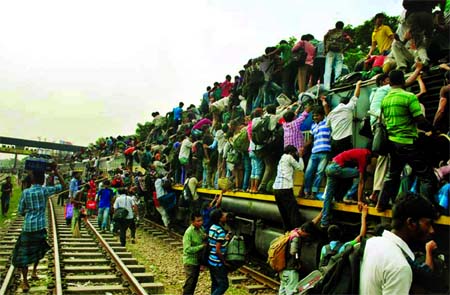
(257, 216)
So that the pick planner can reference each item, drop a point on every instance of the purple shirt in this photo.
(292, 133)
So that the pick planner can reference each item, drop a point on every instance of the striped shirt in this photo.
(32, 205)
(216, 235)
(322, 137)
(292, 133)
(285, 172)
(400, 107)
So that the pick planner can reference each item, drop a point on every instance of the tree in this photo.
(143, 130)
(362, 39)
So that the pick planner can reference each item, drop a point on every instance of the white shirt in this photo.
(127, 202)
(384, 268)
(340, 119)
(159, 188)
(185, 149)
(285, 172)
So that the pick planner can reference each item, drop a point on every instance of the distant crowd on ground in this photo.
(251, 134)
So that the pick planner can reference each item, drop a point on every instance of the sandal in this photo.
(349, 201)
(25, 287)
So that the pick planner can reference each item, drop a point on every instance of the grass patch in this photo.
(13, 205)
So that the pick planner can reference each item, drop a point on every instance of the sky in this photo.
(80, 70)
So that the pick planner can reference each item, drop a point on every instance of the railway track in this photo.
(91, 264)
(249, 278)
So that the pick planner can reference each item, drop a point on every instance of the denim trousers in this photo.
(315, 171)
(401, 155)
(257, 166)
(103, 218)
(219, 279)
(335, 174)
(247, 171)
(333, 61)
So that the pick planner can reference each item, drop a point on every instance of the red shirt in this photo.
(353, 158)
(226, 87)
(129, 150)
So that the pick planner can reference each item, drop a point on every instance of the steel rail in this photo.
(257, 276)
(56, 256)
(134, 284)
(8, 279)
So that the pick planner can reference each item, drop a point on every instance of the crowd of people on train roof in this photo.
(252, 133)
(243, 128)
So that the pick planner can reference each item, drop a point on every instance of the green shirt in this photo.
(285, 53)
(400, 107)
(192, 244)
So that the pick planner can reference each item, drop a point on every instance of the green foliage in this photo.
(100, 141)
(352, 56)
(292, 41)
(143, 130)
(362, 39)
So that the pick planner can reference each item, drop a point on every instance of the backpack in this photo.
(240, 141)
(330, 253)
(186, 195)
(166, 184)
(236, 252)
(260, 131)
(257, 78)
(233, 156)
(145, 160)
(335, 41)
(299, 56)
(340, 276)
(277, 252)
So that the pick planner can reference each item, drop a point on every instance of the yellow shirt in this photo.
(381, 36)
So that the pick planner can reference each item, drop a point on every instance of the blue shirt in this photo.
(177, 113)
(105, 197)
(73, 187)
(32, 205)
(216, 235)
(322, 137)
(206, 219)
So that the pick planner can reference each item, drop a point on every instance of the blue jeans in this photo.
(247, 170)
(333, 61)
(205, 174)
(270, 91)
(316, 165)
(219, 279)
(257, 166)
(103, 218)
(334, 174)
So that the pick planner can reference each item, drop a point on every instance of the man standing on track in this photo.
(194, 241)
(32, 245)
(6, 195)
